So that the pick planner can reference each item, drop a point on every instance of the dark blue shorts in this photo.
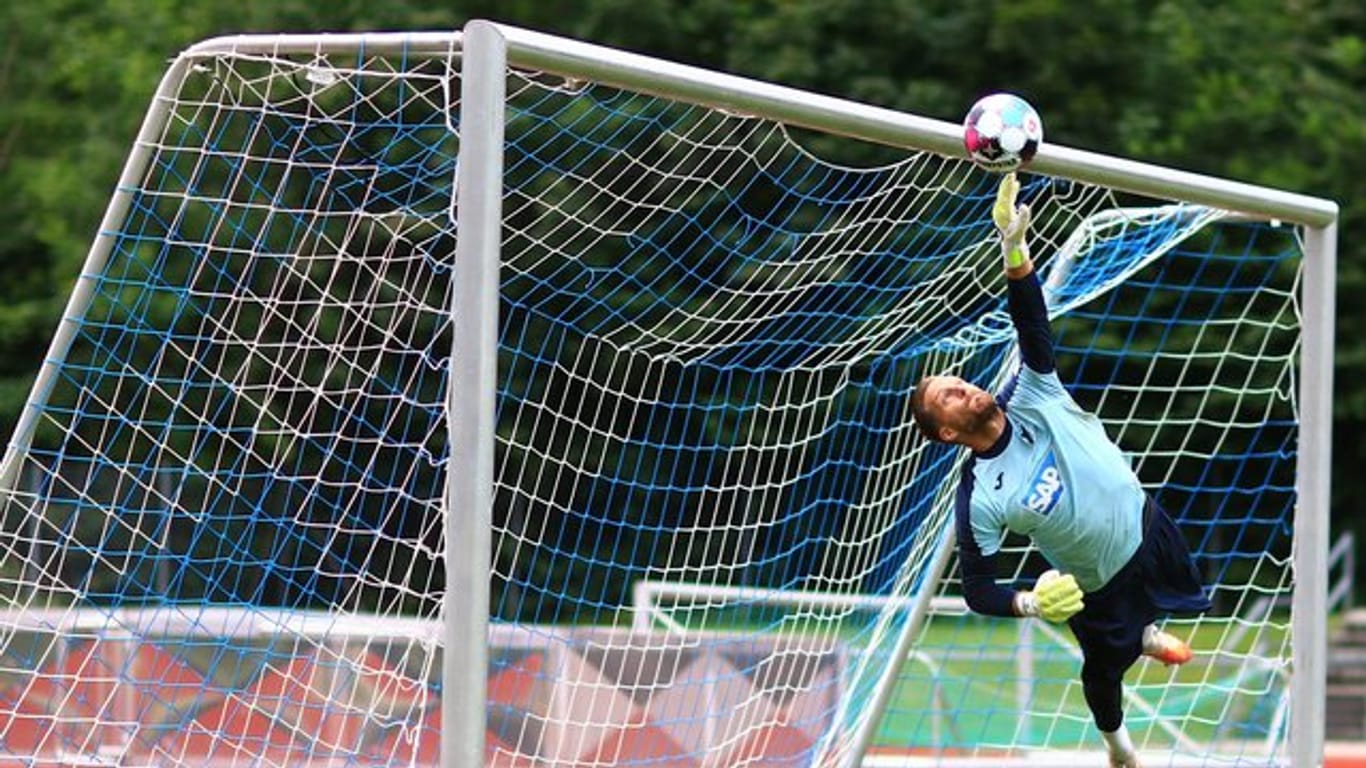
(1160, 579)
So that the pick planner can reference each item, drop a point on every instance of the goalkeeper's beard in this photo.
(978, 418)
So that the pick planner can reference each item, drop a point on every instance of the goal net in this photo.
(238, 508)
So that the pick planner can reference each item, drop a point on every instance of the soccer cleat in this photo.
(1166, 648)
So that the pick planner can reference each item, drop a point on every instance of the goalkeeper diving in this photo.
(1041, 466)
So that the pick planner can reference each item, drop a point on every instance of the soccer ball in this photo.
(1002, 132)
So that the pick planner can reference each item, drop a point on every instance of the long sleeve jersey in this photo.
(1053, 475)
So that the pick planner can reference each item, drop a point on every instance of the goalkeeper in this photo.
(1042, 466)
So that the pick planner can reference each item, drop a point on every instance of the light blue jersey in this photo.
(1057, 478)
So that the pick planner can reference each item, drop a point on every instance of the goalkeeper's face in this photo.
(963, 412)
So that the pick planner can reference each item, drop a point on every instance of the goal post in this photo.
(473, 387)
(1317, 217)
(401, 362)
(1313, 483)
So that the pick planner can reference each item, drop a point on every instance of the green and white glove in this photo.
(1055, 597)
(1012, 222)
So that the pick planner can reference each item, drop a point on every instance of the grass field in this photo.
(969, 684)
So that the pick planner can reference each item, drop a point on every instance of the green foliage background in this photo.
(1266, 91)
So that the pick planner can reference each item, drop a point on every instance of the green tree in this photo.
(1265, 91)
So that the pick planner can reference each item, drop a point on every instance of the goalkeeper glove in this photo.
(1012, 222)
(1055, 598)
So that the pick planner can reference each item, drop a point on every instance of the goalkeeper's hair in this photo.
(924, 420)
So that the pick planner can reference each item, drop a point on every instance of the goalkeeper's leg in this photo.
(1109, 632)
(1102, 685)
(1172, 581)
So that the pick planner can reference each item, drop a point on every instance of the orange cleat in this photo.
(1166, 648)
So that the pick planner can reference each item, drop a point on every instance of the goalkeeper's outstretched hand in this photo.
(1012, 222)
(1055, 597)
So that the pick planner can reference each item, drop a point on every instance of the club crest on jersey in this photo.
(1046, 488)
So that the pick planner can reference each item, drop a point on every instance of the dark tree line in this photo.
(1264, 92)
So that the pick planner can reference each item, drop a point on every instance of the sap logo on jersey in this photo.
(1046, 488)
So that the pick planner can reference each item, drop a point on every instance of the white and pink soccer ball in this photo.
(1002, 132)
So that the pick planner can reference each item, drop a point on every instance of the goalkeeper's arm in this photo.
(980, 590)
(1024, 294)
(1054, 597)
